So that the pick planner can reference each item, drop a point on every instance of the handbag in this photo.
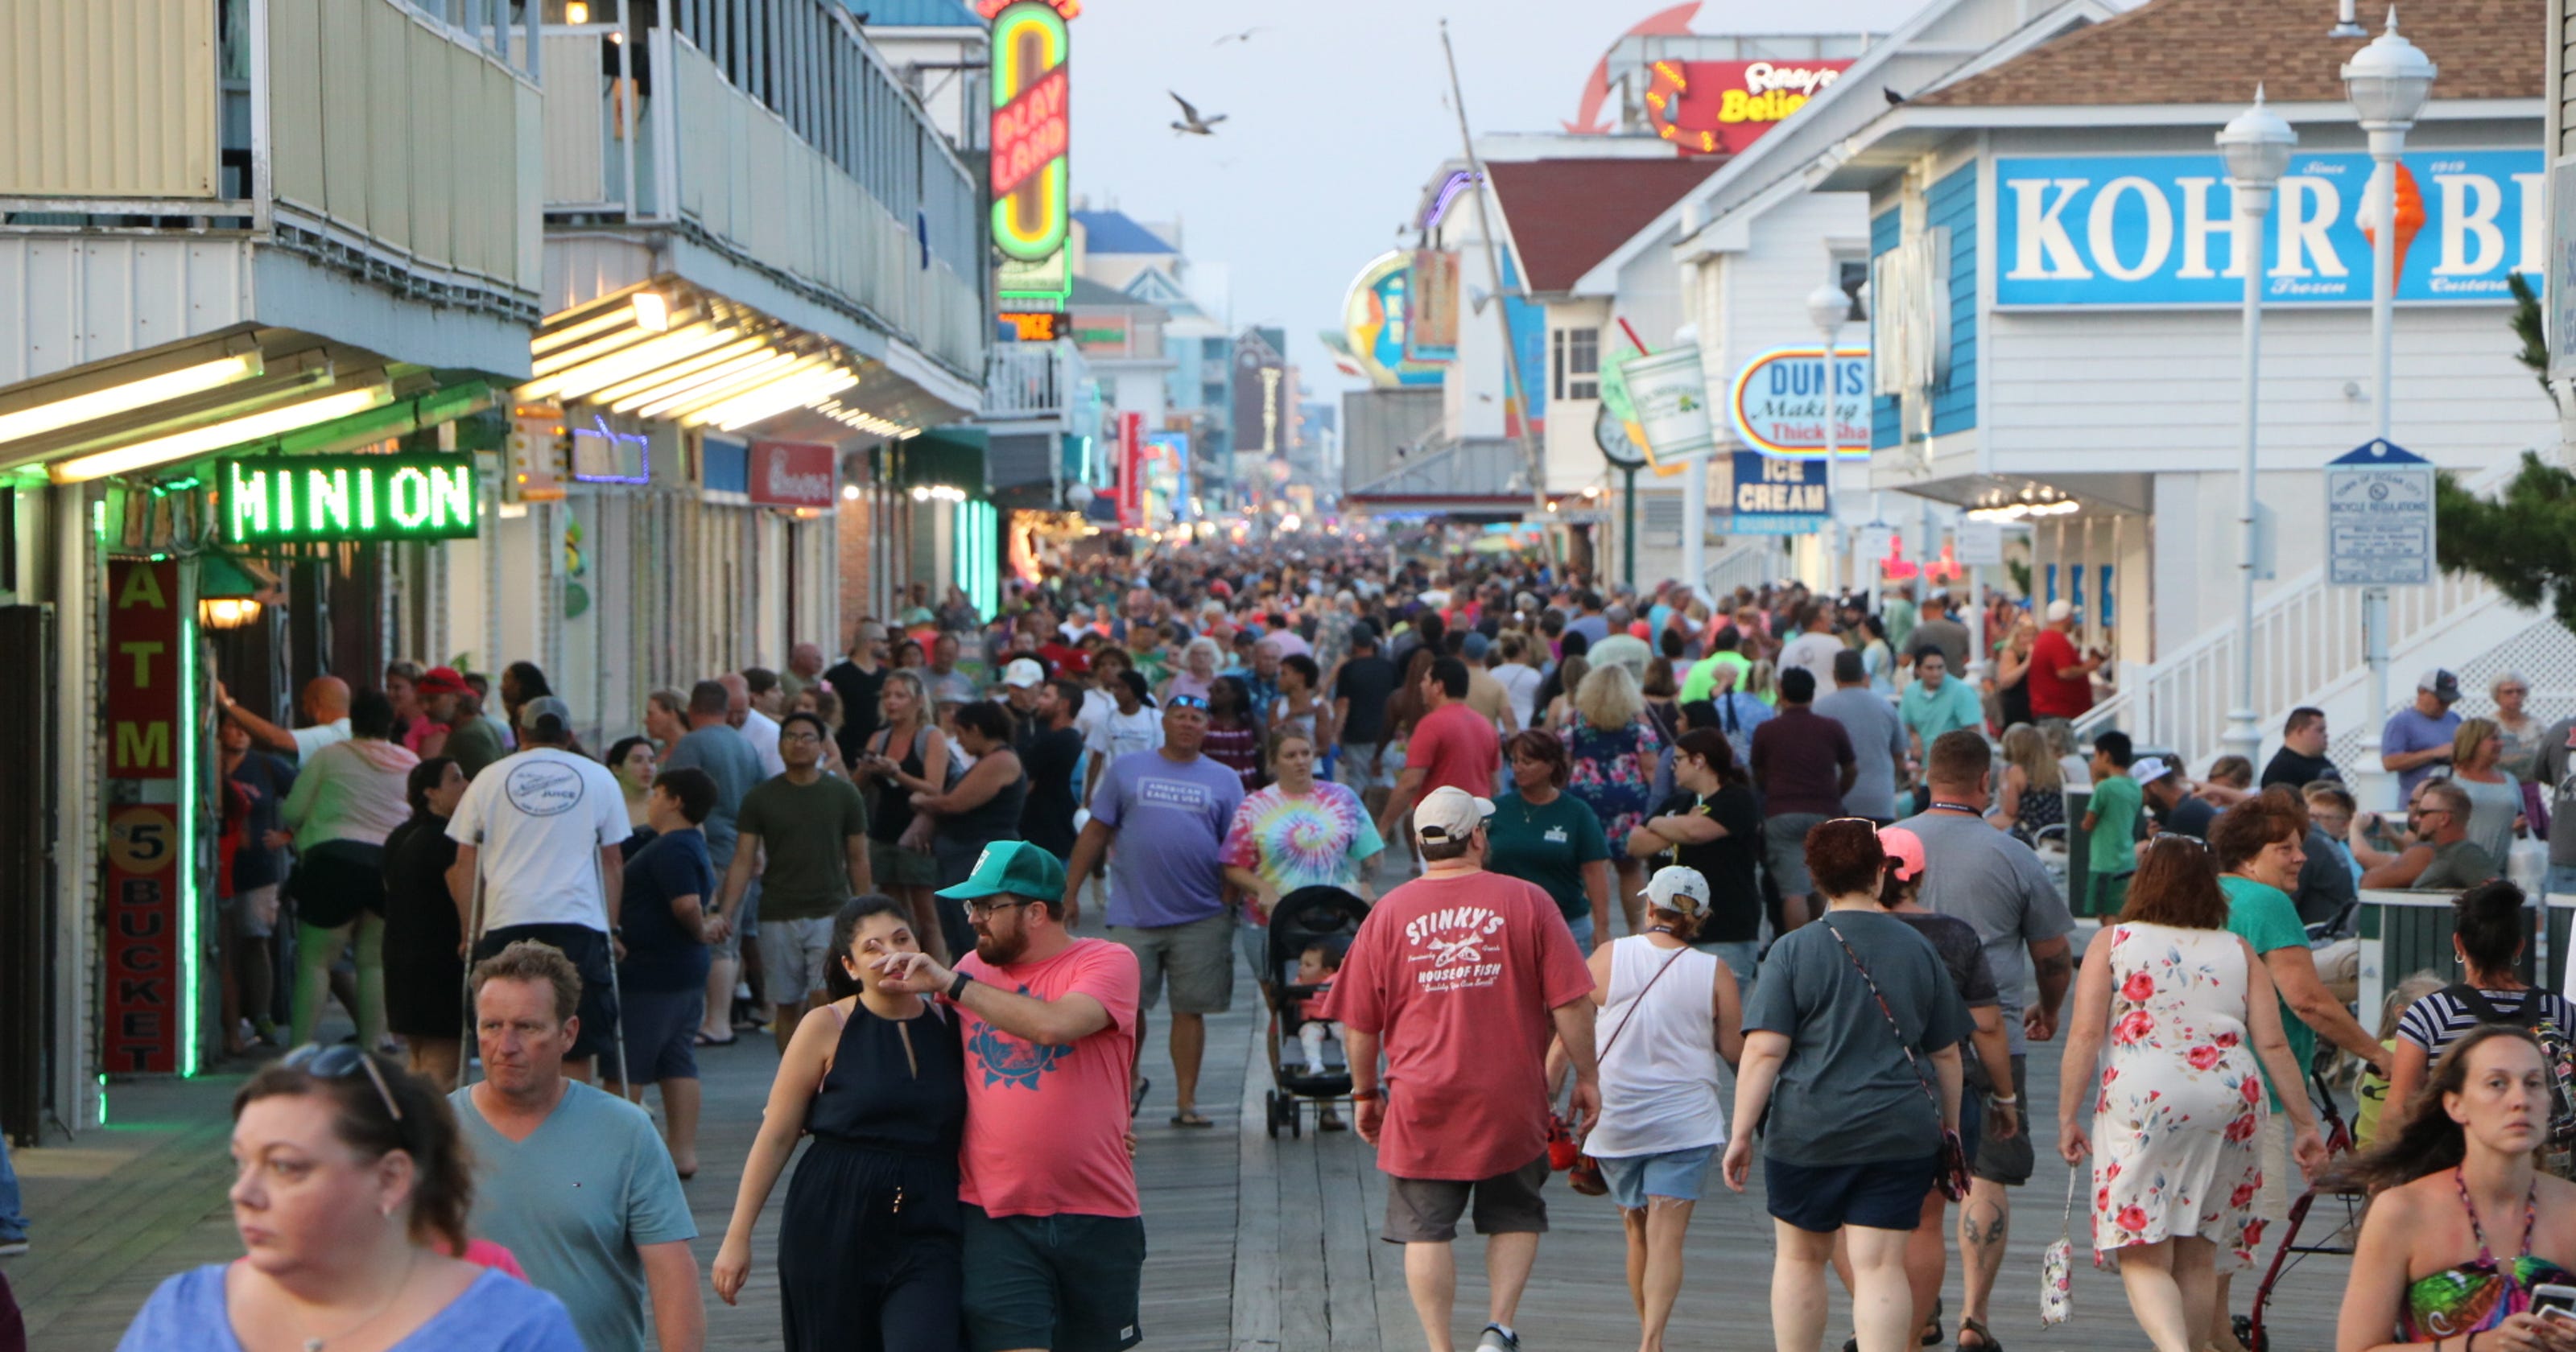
(1585, 1174)
(2057, 1266)
(1951, 1171)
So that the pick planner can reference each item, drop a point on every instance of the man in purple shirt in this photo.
(1168, 811)
(1803, 764)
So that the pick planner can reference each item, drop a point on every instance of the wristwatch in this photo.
(957, 986)
(1366, 1095)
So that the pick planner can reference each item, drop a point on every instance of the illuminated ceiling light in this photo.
(669, 377)
(667, 387)
(780, 366)
(134, 394)
(771, 400)
(652, 311)
(617, 340)
(578, 381)
(198, 441)
(576, 12)
(569, 334)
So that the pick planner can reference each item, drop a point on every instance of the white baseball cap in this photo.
(1679, 890)
(2149, 769)
(1023, 673)
(2060, 609)
(1449, 813)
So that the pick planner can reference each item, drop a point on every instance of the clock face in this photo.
(1611, 435)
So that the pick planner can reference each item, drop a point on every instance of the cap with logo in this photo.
(2444, 684)
(1679, 890)
(1015, 867)
(2149, 769)
(1449, 813)
(1022, 673)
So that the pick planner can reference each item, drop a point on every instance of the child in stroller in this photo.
(1310, 930)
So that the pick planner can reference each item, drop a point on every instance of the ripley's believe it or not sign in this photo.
(282, 499)
(1723, 107)
(1031, 131)
(2111, 230)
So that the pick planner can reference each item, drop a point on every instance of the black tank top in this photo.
(894, 802)
(876, 1095)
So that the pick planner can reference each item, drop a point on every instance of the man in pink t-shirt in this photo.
(1054, 1242)
(1452, 747)
(1463, 976)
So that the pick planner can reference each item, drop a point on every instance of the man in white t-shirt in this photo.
(1812, 651)
(539, 830)
(756, 727)
(325, 701)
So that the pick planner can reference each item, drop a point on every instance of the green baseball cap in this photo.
(1013, 866)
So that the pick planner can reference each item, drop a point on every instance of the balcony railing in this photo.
(382, 135)
(774, 133)
(1031, 380)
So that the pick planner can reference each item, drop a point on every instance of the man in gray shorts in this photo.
(1168, 811)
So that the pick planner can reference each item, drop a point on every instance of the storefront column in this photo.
(75, 583)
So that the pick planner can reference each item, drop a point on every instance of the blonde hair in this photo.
(2406, 993)
(2028, 748)
(1757, 678)
(2473, 734)
(1609, 699)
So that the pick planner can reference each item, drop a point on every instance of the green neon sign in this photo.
(349, 497)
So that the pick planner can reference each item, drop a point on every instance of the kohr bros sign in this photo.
(2110, 230)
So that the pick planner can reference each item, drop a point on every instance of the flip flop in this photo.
(1190, 1120)
(1136, 1100)
(705, 1041)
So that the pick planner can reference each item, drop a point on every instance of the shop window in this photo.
(1576, 361)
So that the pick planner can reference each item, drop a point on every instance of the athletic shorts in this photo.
(1426, 1210)
(1823, 1198)
(662, 1034)
(2008, 1160)
(1196, 955)
(792, 955)
(588, 949)
(1068, 1283)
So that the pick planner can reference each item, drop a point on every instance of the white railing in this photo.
(2307, 639)
(1028, 380)
(1740, 565)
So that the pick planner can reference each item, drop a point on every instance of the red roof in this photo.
(1567, 215)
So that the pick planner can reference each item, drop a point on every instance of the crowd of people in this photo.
(1638, 836)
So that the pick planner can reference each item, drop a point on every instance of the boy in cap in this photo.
(1462, 976)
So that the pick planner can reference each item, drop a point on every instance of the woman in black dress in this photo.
(868, 1249)
(424, 979)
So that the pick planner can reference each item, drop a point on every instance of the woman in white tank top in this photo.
(1669, 1014)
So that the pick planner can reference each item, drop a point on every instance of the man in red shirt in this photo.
(1452, 747)
(2061, 679)
(1463, 976)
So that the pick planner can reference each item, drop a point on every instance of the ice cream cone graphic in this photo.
(2410, 218)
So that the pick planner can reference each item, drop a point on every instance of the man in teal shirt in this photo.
(1934, 703)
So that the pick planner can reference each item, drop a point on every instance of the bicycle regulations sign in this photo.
(2379, 517)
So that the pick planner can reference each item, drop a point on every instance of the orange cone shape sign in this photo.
(2410, 219)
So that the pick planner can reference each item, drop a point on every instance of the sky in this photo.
(1336, 116)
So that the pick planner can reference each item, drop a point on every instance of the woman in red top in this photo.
(1233, 738)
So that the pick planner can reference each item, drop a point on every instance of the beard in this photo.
(1001, 950)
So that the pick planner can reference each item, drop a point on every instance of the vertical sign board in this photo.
(1131, 470)
(2379, 517)
(1031, 137)
(146, 948)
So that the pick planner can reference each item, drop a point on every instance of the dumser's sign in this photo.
(349, 497)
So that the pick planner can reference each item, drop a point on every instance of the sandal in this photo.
(704, 1041)
(1190, 1119)
(1136, 1099)
(1931, 1336)
(1986, 1341)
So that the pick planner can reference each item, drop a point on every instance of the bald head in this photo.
(326, 699)
(806, 660)
(737, 697)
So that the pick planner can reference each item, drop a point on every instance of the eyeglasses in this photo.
(800, 739)
(342, 1061)
(986, 908)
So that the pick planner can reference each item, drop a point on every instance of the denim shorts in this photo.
(1677, 1174)
(1582, 925)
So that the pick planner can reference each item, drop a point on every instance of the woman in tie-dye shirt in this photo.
(1299, 832)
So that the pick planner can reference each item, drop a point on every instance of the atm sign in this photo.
(350, 497)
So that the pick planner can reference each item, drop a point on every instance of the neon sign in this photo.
(1032, 208)
(1070, 9)
(350, 497)
(1030, 326)
(1722, 107)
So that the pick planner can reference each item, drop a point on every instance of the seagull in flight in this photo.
(1244, 36)
(1191, 123)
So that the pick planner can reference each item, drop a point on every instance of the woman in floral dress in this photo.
(1614, 749)
(2180, 1103)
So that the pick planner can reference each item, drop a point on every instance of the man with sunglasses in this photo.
(1054, 1242)
(2436, 854)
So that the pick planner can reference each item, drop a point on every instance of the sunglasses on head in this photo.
(342, 1061)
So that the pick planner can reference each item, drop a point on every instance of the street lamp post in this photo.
(2388, 82)
(1828, 307)
(2257, 145)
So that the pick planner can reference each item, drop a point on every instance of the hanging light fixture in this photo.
(229, 590)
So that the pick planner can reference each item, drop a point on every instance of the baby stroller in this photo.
(1302, 918)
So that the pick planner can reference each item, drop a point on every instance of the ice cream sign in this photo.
(2119, 230)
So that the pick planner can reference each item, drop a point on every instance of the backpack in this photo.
(2557, 1052)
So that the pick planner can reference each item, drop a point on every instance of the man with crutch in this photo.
(537, 838)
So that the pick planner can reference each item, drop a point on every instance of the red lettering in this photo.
(1030, 132)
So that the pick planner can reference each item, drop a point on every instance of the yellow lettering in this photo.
(1735, 107)
(142, 746)
(142, 587)
(142, 653)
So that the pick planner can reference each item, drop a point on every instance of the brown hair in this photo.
(1280, 737)
(2177, 884)
(536, 963)
(1959, 758)
(2430, 1141)
(2242, 832)
(1843, 857)
(442, 1190)
(1532, 744)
